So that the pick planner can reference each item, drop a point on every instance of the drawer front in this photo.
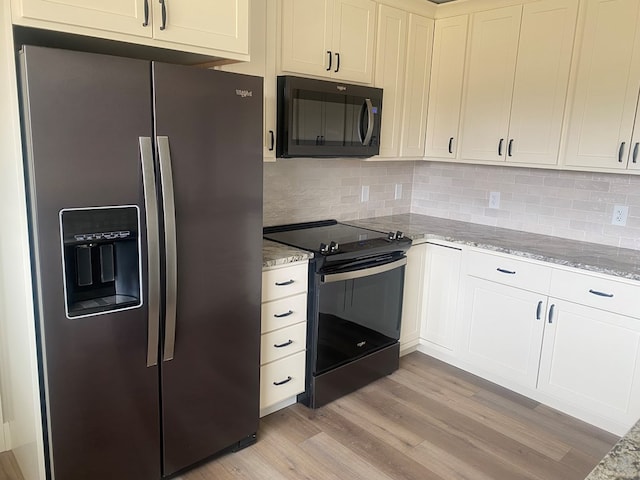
(284, 312)
(509, 271)
(283, 342)
(593, 291)
(282, 379)
(282, 282)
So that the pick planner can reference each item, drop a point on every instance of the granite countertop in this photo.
(620, 262)
(274, 254)
(623, 461)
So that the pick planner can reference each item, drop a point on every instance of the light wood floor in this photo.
(427, 421)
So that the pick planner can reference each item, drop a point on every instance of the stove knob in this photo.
(333, 247)
(324, 248)
(391, 236)
(399, 235)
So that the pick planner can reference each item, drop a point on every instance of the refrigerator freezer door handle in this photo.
(153, 249)
(168, 203)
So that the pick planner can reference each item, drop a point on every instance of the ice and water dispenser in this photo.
(101, 250)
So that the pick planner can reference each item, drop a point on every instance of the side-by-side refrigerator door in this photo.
(209, 138)
(83, 117)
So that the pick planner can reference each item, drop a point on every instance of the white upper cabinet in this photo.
(262, 49)
(124, 16)
(329, 38)
(416, 90)
(493, 53)
(518, 72)
(389, 75)
(601, 122)
(199, 26)
(445, 94)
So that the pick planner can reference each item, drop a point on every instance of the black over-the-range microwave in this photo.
(319, 118)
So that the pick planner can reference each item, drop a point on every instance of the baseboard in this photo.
(278, 406)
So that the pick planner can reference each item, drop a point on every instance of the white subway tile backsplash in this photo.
(576, 205)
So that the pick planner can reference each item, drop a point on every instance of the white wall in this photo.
(21, 405)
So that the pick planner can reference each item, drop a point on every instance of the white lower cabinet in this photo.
(503, 331)
(563, 337)
(283, 340)
(430, 299)
(591, 360)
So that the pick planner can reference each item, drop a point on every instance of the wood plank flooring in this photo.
(427, 421)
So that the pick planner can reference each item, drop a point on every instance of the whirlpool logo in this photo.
(341, 88)
(244, 93)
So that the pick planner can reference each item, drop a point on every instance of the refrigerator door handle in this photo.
(168, 203)
(153, 249)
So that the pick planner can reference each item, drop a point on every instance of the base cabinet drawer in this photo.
(282, 379)
(283, 342)
(284, 312)
(510, 271)
(282, 282)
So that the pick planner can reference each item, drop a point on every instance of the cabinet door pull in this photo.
(503, 270)
(539, 310)
(635, 152)
(284, 284)
(509, 147)
(552, 310)
(282, 315)
(164, 14)
(337, 62)
(451, 145)
(329, 53)
(621, 151)
(273, 141)
(500, 147)
(146, 14)
(286, 380)
(601, 294)
(285, 344)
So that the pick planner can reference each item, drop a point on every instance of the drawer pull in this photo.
(285, 344)
(286, 380)
(502, 270)
(539, 310)
(284, 284)
(601, 294)
(282, 315)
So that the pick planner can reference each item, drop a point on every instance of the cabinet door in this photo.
(412, 297)
(389, 75)
(607, 85)
(416, 91)
(634, 148)
(492, 63)
(441, 285)
(445, 95)
(542, 75)
(123, 16)
(307, 28)
(263, 64)
(503, 332)
(591, 359)
(353, 40)
(220, 25)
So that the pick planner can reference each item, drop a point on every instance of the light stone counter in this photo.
(620, 262)
(623, 461)
(274, 254)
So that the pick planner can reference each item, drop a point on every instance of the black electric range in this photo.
(354, 304)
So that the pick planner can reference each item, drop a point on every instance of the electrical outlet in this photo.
(619, 217)
(494, 199)
(398, 191)
(365, 193)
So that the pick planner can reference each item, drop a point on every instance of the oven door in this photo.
(359, 312)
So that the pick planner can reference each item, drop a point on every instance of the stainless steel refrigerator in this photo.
(144, 185)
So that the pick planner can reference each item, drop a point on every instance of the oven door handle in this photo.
(365, 272)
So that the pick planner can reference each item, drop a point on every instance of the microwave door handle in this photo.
(371, 120)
